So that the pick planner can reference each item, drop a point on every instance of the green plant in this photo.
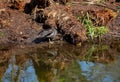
(101, 30)
(93, 31)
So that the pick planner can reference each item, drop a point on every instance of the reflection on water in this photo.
(14, 73)
(97, 72)
(60, 63)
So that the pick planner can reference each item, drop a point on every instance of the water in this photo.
(60, 62)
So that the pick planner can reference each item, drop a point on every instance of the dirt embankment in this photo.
(22, 21)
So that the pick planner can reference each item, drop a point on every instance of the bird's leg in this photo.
(50, 41)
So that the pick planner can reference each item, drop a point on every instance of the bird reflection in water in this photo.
(14, 73)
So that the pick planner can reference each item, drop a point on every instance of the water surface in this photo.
(60, 62)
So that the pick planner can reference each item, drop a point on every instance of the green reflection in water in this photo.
(94, 49)
(72, 73)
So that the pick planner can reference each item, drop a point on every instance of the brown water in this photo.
(60, 62)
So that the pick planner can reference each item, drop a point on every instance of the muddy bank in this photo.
(21, 22)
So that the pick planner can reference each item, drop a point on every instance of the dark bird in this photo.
(46, 34)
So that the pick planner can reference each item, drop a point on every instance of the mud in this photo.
(21, 21)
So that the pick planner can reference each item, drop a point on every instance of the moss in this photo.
(92, 31)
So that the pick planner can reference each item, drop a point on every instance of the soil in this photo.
(22, 21)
